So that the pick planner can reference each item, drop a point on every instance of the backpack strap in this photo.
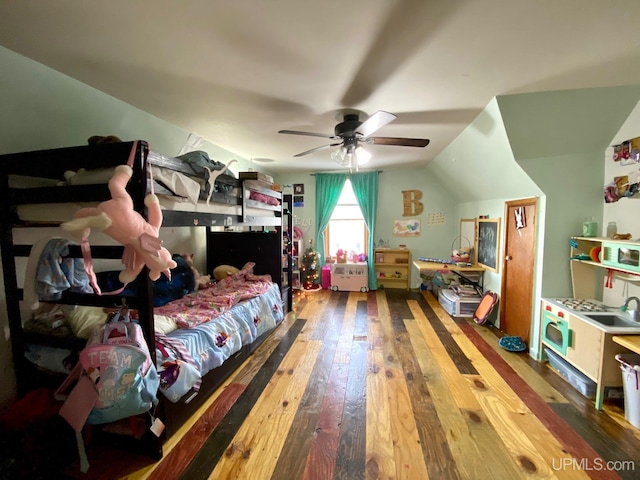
(77, 405)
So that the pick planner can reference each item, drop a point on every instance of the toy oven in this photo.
(556, 332)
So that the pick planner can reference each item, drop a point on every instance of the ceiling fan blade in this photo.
(399, 142)
(374, 122)
(310, 134)
(317, 149)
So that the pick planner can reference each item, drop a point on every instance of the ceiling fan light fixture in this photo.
(351, 157)
(362, 156)
(339, 156)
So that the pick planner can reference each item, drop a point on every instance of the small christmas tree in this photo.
(310, 268)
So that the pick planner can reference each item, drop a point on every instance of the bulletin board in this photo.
(489, 242)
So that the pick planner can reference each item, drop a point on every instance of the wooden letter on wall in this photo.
(412, 203)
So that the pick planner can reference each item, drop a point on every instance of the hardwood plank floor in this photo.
(387, 385)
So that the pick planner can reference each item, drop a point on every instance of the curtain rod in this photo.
(379, 171)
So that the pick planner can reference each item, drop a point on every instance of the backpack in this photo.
(114, 378)
(117, 359)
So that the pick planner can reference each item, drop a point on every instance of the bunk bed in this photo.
(34, 182)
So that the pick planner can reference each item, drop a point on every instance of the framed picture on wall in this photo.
(298, 188)
(406, 228)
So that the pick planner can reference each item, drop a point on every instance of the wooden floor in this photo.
(387, 385)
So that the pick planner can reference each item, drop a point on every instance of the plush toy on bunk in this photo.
(117, 218)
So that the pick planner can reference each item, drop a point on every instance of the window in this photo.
(346, 229)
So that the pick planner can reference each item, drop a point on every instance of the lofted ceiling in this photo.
(236, 72)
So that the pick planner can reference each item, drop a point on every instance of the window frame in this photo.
(327, 231)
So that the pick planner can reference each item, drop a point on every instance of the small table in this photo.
(425, 267)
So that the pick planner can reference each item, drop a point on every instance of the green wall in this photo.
(435, 240)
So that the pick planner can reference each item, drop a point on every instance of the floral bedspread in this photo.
(186, 354)
(212, 301)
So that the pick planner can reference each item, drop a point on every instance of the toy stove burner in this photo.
(583, 305)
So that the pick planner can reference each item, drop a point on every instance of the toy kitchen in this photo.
(577, 339)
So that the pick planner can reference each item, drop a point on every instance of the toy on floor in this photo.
(512, 344)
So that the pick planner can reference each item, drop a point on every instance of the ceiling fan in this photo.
(351, 132)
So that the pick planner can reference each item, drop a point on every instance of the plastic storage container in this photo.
(457, 306)
(577, 379)
(630, 366)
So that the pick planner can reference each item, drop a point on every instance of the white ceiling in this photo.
(236, 71)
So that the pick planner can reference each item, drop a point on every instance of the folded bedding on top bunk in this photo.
(176, 190)
(62, 212)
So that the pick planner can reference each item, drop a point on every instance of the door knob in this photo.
(508, 257)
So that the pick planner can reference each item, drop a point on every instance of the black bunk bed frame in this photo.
(260, 242)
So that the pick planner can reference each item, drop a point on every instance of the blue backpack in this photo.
(115, 378)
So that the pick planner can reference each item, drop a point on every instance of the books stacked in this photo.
(466, 291)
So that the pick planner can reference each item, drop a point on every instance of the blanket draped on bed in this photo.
(213, 300)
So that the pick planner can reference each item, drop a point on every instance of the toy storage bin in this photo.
(457, 306)
(630, 366)
(350, 277)
(577, 379)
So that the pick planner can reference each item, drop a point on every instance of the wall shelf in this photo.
(587, 275)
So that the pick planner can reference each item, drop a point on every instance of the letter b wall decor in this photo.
(411, 203)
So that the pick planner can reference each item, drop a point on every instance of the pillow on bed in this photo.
(178, 183)
(84, 320)
(224, 271)
(164, 324)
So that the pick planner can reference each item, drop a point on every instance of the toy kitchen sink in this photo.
(580, 332)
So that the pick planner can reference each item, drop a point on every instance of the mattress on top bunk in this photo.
(62, 212)
(177, 192)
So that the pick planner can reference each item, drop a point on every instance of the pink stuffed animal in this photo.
(118, 219)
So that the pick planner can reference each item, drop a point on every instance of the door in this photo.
(516, 299)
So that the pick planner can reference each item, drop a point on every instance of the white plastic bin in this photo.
(630, 366)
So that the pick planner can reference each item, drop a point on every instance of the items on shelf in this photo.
(393, 267)
(621, 187)
(627, 152)
(437, 260)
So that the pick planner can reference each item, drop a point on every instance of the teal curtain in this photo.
(328, 189)
(365, 187)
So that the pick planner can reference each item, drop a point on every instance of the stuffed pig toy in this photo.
(118, 219)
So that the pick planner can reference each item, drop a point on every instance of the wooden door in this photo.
(516, 299)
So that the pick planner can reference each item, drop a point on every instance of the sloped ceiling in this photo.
(479, 165)
(482, 162)
(236, 72)
(549, 124)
